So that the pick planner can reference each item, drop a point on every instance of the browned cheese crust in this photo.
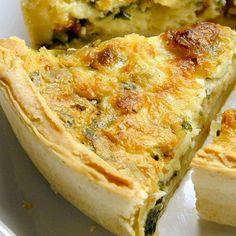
(220, 156)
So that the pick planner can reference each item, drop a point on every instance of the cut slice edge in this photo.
(75, 23)
(214, 174)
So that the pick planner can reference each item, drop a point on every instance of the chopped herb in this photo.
(153, 216)
(186, 125)
(201, 113)
(129, 86)
(122, 15)
(208, 93)
(151, 222)
(69, 123)
(161, 185)
(159, 201)
(89, 133)
(67, 119)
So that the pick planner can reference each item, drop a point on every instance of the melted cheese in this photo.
(88, 20)
(137, 101)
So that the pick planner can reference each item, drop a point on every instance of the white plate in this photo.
(51, 215)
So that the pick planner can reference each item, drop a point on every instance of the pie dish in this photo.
(213, 165)
(113, 126)
(58, 23)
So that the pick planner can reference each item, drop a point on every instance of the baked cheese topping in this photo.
(221, 153)
(137, 102)
(59, 22)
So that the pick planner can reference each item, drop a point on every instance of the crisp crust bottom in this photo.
(216, 212)
(216, 193)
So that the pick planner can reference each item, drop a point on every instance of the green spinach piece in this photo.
(153, 216)
(122, 14)
(129, 86)
(186, 125)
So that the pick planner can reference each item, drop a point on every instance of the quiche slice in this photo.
(214, 174)
(113, 126)
(63, 22)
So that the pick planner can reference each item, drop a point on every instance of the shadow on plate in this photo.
(207, 228)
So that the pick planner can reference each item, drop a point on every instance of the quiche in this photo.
(215, 164)
(113, 126)
(62, 22)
